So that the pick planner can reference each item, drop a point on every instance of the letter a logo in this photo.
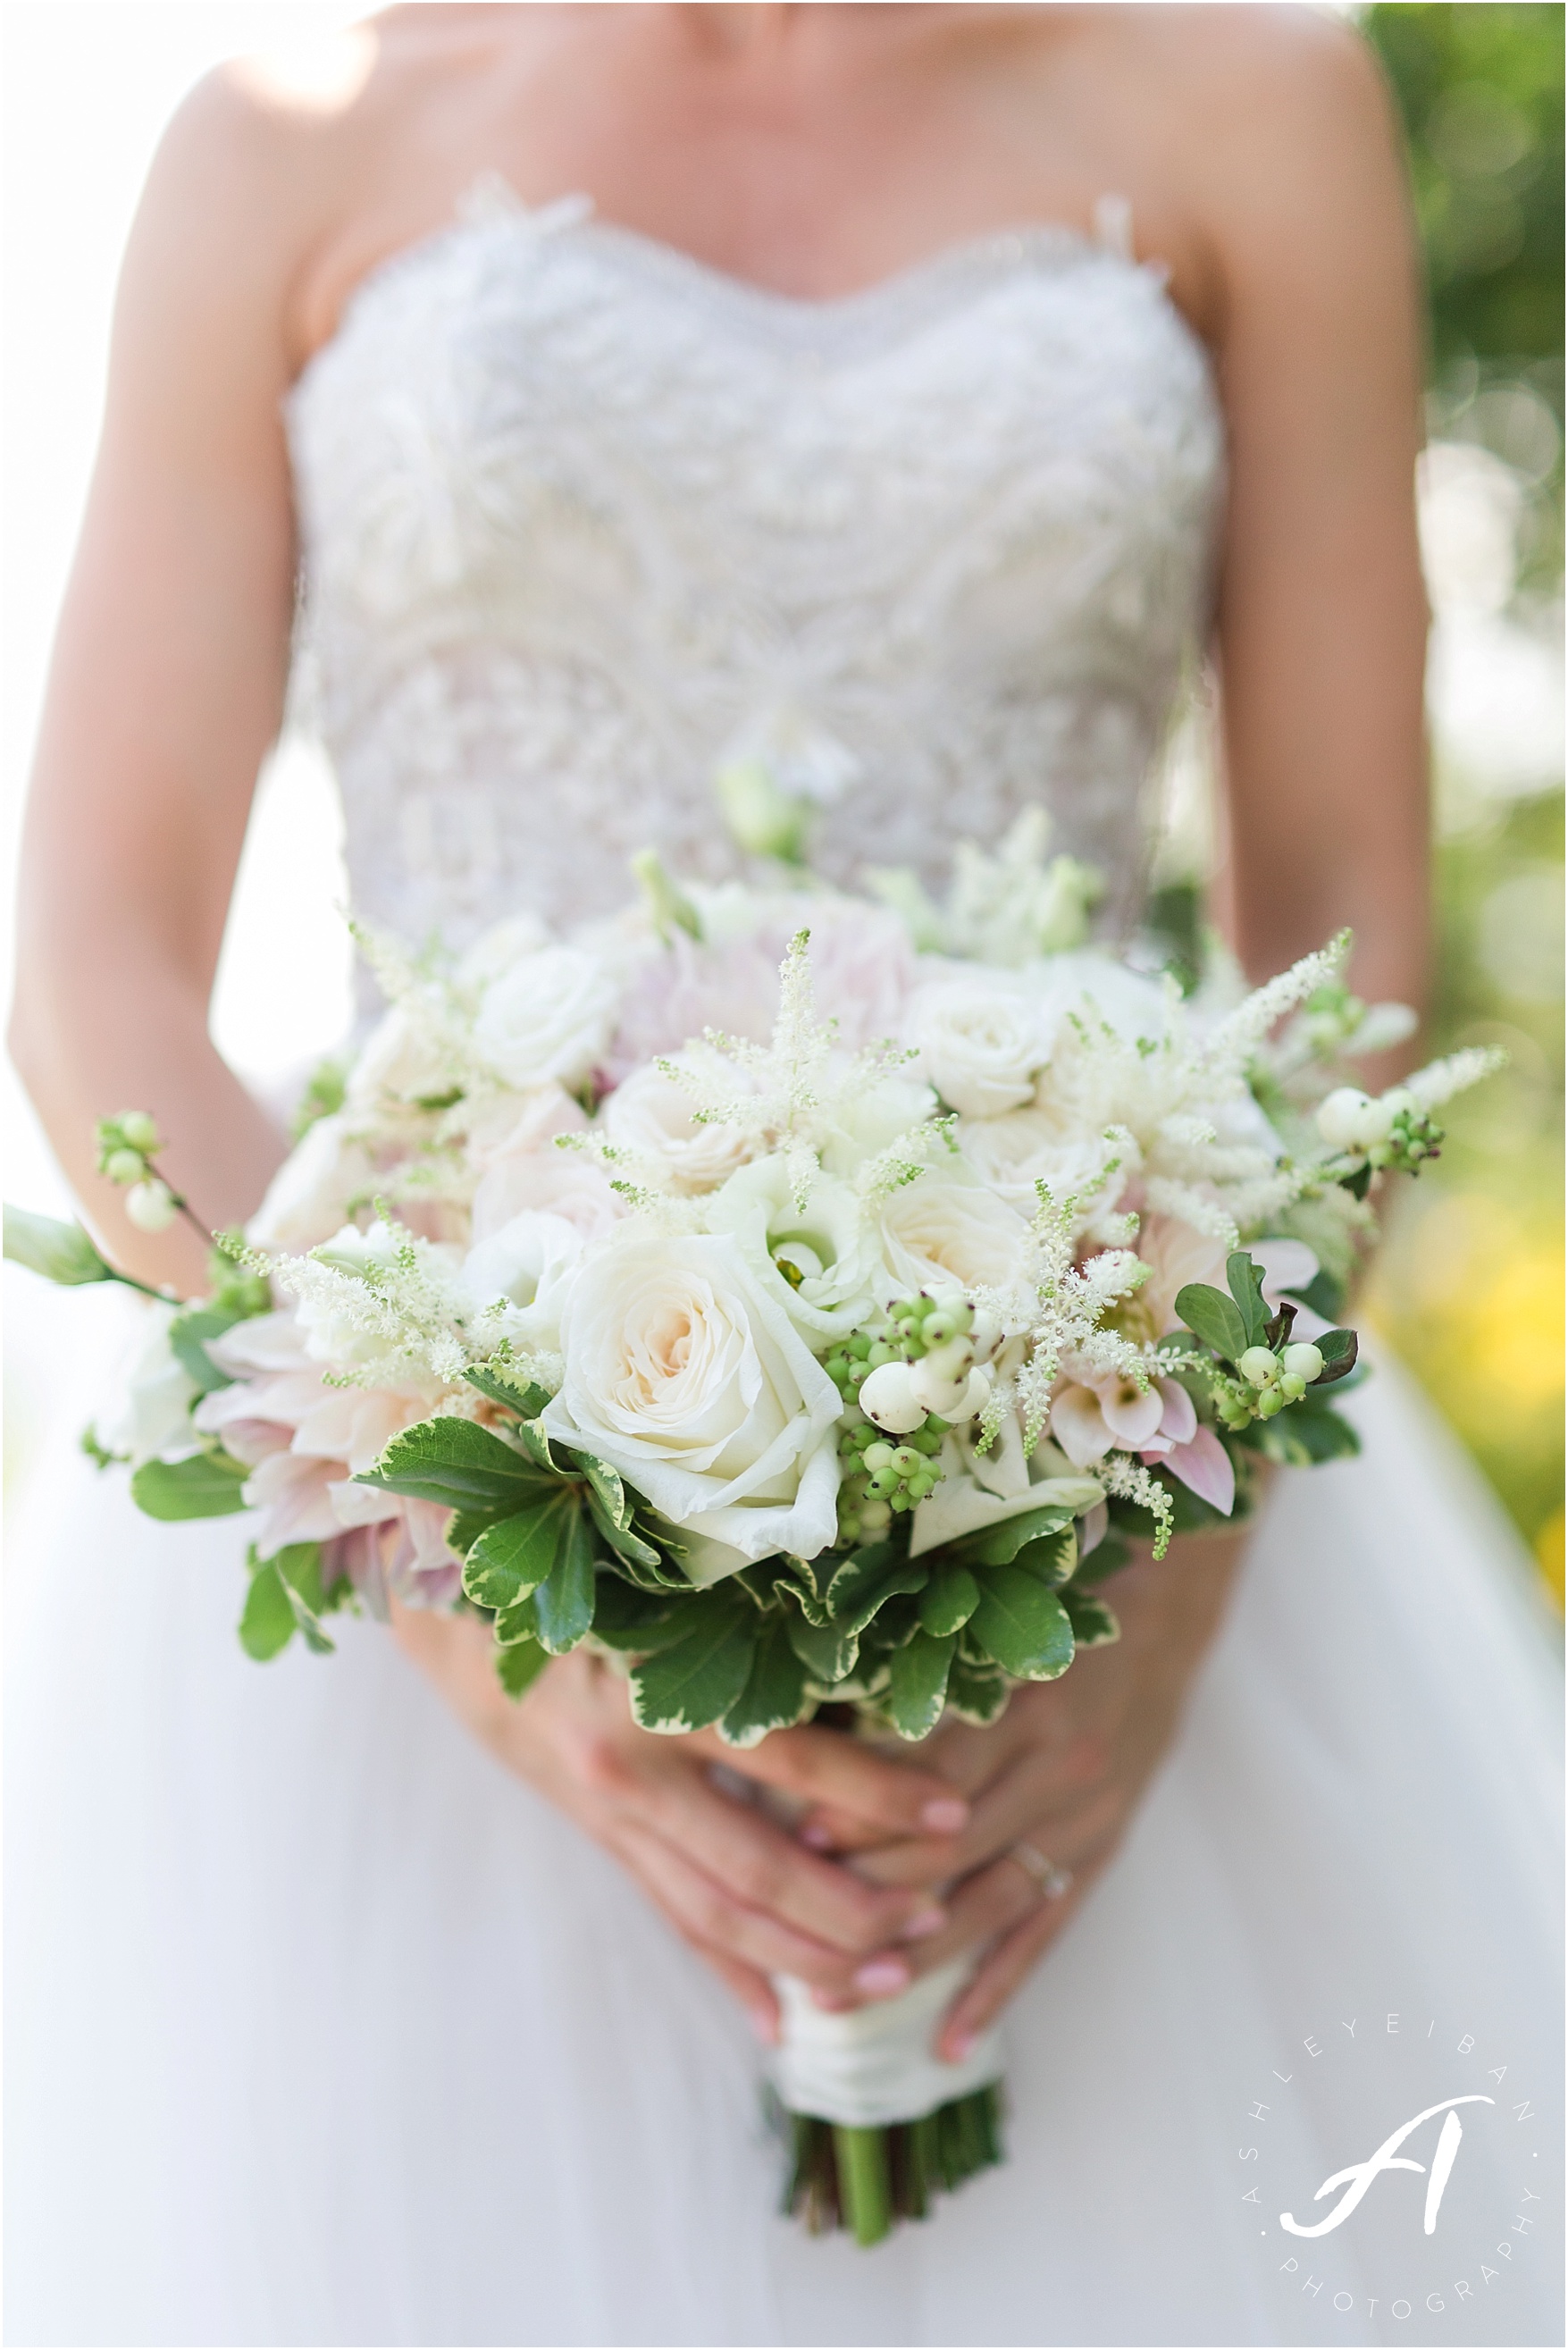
(1359, 2176)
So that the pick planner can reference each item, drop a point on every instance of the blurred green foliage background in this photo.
(1469, 1290)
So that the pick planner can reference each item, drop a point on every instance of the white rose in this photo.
(871, 1117)
(315, 1189)
(687, 1377)
(981, 1043)
(1012, 1154)
(936, 1234)
(819, 1261)
(547, 1015)
(497, 949)
(651, 1113)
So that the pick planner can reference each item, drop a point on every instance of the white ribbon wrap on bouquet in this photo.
(874, 2065)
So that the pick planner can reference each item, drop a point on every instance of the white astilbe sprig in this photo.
(435, 1010)
(1127, 1480)
(1440, 1080)
(1066, 1314)
(1226, 1052)
(796, 1091)
(384, 1307)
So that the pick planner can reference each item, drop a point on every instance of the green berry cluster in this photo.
(1266, 1383)
(883, 1479)
(1415, 1136)
(127, 1146)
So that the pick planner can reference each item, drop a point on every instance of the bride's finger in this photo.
(1035, 1792)
(824, 1768)
(763, 1867)
(711, 1914)
(1006, 1966)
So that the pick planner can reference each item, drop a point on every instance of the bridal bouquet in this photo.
(801, 1300)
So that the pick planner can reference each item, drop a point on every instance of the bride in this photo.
(908, 394)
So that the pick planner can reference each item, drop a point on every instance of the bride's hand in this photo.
(741, 1890)
(1061, 1773)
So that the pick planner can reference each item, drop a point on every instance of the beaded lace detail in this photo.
(582, 518)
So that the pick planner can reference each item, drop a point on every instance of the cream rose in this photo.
(982, 1044)
(546, 1016)
(686, 1376)
(939, 1234)
(315, 1190)
(651, 1114)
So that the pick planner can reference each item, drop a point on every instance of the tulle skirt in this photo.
(322, 2030)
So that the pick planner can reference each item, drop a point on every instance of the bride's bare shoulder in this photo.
(285, 174)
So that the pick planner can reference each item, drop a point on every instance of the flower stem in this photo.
(863, 2181)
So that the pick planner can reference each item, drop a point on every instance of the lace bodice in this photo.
(584, 519)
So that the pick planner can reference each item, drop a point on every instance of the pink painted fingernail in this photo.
(832, 2002)
(960, 2046)
(924, 1922)
(881, 1978)
(946, 1815)
(819, 1838)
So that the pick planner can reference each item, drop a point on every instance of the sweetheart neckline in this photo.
(961, 267)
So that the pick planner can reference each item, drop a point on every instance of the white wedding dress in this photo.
(325, 2031)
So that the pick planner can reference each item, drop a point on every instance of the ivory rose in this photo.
(939, 1234)
(982, 1044)
(686, 1376)
(547, 1015)
(651, 1113)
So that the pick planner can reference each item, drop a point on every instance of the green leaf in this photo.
(188, 1335)
(976, 1693)
(1245, 1280)
(565, 1600)
(520, 1622)
(61, 1253)
(774, 1694)
(299, 1568)
(996, 1546)
(948, 1600)
(458, 1463)
(1025, 1627)
(699, 1677)
(205, 1486)
(1360, 1183)
(465, 1527)
(1341, 1351)
(1304, 1438)
(268, 1623)
(1214, 1317)
(634, 1620)
(608, 1490)
(1322, 1294)
(866, 1580)
(918, 1686)
(1093, 1625)
(518, 1395)
(828, 1654)
(518, 1667)
(511, 1556)
(1051, 1558)
(623, 1537)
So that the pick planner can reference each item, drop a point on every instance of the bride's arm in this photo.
(165, 692)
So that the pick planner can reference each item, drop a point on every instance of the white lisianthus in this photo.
(685, 1374)
(981, 1043)
(516, 1279)
(651, 1114)
(313, 1191)
(546, 1016)
(819, 1263)
(496, 949)
(153, 1422)
(402, 1057)
(939, 1234)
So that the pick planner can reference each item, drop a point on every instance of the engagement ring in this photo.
(1052, 1881)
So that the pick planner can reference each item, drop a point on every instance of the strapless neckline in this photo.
(817, 325)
